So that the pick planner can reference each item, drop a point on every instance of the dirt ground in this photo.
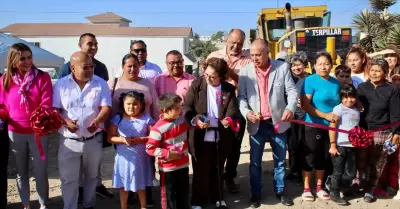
(237, 201)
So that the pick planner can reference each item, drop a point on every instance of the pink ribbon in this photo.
(43, 122)
(176, 149)
(357, 136)
(234, 126)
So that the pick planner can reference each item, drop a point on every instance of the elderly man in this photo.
(175, 80)
(236, 59)
(88, 44)
(148, 70)
(84, 100)
(262, 88)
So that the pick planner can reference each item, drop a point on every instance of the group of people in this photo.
(168, 117)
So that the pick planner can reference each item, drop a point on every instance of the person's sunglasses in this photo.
(137, 51)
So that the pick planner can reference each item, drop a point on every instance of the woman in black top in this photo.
(381, 103)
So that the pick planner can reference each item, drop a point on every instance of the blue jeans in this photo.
(257, 144)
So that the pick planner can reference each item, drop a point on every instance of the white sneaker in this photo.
(218, 204)
(156, 183)
(196, 207)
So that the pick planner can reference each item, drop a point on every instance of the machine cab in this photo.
(273, 25)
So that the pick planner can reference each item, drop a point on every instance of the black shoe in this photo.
(104, 192)
(80, 195)
(335, 197)
(232, 187)
(286, 201)
(349, 192)
(255, 202)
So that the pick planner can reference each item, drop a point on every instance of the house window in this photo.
(35, 43)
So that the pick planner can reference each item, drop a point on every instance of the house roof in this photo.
(76, 29)
(106, 17)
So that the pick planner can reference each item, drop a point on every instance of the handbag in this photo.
(105, 135)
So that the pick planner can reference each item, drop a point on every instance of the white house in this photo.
(114, 36)
(205, 38)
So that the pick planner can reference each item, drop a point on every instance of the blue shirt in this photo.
(325, 96)
(100, 70)
(349, 118)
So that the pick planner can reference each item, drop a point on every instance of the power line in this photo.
(135, 13)
(351, 8)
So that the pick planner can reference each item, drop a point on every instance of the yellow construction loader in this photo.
(305, 28)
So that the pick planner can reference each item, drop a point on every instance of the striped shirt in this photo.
(164, 136)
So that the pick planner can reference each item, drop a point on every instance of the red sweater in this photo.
(163, 136)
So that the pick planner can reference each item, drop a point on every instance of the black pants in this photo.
(204, 184)
(234, 157)
(344, 168)
(316, 150)
(4, 150)
(175, 189)
(296, 138)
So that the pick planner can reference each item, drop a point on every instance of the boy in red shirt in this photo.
(168, 142)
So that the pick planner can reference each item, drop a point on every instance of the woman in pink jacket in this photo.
(22, 89)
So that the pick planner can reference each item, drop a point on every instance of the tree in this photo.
(379, 27)
(217, 36)
(381, 5)
(200, 49)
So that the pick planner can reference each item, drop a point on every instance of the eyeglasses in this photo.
(137, 51)
(88, 67)
(172, 63)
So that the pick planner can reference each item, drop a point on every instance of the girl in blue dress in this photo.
(130, 130)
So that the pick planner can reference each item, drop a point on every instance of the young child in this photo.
(133, 169)
(343, 75)
(168, 142)
(342, 151)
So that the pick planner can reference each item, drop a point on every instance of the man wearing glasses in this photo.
(148, 70)
(175, 80)
(88, 44)
(84, 100)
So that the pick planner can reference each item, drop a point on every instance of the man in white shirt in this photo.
(148, 70)
(84, 100)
